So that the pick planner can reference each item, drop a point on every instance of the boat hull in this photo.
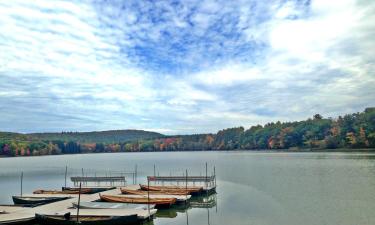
(158, 202)
(191, 190)
(142, 192)
(110, 205)
(18, 200)
(63, 192)
(86, 220)
(90, 190)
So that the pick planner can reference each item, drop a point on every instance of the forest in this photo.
(351, 131)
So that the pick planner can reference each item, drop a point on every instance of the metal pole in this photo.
(148, 198)
(82, 173)
(79, 200)
(136, 175)
(154, 171)
(66, 173)
(21, 182)
(206, 175)
(186, 181)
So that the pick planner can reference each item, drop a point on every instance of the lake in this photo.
(260, 188)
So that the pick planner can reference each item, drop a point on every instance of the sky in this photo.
(182, 67)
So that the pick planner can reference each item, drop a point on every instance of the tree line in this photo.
(351, 131)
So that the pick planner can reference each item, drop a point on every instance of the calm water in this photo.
(253, 187)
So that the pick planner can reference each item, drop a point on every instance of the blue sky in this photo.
(181, 67)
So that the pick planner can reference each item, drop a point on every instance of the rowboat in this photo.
(90, 190)
(19, 200)
(171, 188)
(68, 219)
(179, 198)
(110, 205)
(67, 192)
(163, 192)
(158, 202)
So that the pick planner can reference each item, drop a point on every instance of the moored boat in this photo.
(20, 200)
(192, 190)
(162, 192)
(111, 205)
(90, 190)
(68, 219)
(67, 192)
(158, 202)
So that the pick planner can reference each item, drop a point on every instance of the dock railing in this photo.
(112, 181)
(208, 181)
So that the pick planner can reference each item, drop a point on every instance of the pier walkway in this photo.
(14, 214)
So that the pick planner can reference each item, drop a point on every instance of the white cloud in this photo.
(229, 75)
(197, 67)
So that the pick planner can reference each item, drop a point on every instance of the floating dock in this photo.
(207, 182)
(16, 215)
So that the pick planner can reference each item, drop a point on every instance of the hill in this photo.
(111, 136)
(351, 131)
(10, 136)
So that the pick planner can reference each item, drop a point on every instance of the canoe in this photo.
(66, 192)
(179, 198)
(158, 202)
(19, 200)
(163, 192)
(90, 190)
(110, 205)
(171, 188)
(68, 219)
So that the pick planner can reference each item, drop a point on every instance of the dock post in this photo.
(136, 173)
(66, 172)
(21, 182)
(79, 200)
(148, 199)
(186, 181)
(206, 176)
(82, 173)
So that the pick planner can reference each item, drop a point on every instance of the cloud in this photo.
(181, 67)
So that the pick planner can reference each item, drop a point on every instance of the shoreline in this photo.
(340, 150)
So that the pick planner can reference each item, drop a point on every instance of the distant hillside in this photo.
(351, 131)
(111, 136)
(10, 136)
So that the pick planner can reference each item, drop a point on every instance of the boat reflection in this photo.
(195, 202)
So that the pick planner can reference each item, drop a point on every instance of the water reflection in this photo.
(254, 187)
(200, 202)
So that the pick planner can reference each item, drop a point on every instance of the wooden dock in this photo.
(19, 214)
(14, 215)
(208, 183)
